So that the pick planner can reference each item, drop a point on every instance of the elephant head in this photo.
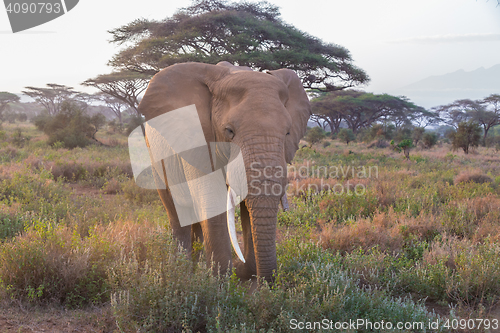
(265, 114)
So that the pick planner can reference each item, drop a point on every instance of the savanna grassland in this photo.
(84, 249)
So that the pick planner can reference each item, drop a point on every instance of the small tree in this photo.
(404, 146)
(346, 135)
(429, 139)
(97, 121)
(417, 134)
(314, 135)
(467, 135)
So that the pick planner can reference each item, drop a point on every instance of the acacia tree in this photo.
(124, 85)
(457, 112)
(117, 106)
(5, 99)
(360, 109)
(485, 112)
(52, 97)
(489, 115)
(467, 135)
(324, 113)
(247, 34)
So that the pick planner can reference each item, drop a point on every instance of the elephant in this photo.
(265, 114)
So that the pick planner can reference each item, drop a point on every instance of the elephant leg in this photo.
(246, 270)
(181, 234)
(196, 233)
(217, 244)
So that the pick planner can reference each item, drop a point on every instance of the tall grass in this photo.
(76, 230)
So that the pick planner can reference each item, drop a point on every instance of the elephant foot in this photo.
(243, 272)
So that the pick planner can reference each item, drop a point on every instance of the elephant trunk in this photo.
(263, 217)
(266, 175)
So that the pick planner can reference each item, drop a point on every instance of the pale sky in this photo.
(397, 42)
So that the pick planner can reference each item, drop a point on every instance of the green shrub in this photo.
(346, 135)
(137, 194)
(429, 139)
(467, 135)
(417, 134)
(18, 139)
(53, 263)
(35, 192)
(314, 135)
(71, 126)
(11, 225)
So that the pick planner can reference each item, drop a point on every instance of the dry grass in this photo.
(16, 318)
(476, 177)
(363, 233)
(56, 264)
(387, 231)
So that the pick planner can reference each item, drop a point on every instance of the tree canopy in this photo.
(124, 85)
(360, 109)
(5, 99)
(52, 97)
(246, 34)
(485, 112)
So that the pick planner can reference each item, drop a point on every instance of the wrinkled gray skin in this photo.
(266, 115)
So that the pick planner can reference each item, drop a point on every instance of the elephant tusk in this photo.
(284, 203)
(231, 224)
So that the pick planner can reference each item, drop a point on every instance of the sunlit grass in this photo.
(77, 231)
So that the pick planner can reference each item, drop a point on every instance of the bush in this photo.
(116, 127)
(314, 135)
(50, 263)
(467, 135)
(477, 178)
(346, 135)
(417, 134)
(71, 126)
(404, 133)
(429, 139)
(378, 144)
(18, 139)
(376, 132)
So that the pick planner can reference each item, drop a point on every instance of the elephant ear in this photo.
(181, 85)
(299, 108)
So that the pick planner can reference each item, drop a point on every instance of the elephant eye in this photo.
(288, 133)
(229, 133)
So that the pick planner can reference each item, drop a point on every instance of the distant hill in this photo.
(443, 89)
